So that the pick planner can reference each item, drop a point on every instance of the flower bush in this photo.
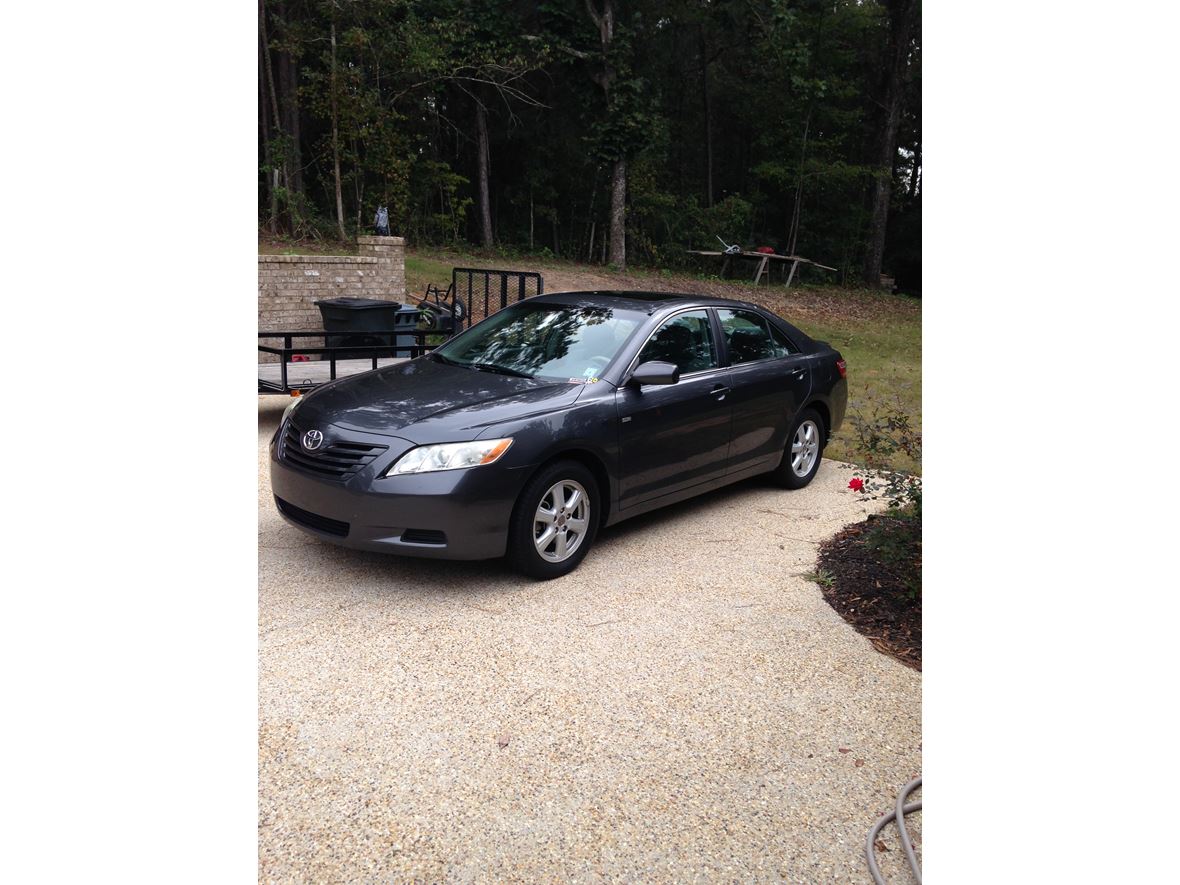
(896, 538)
(880, 437)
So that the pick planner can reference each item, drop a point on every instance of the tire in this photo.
(529, 551)
(805, 448)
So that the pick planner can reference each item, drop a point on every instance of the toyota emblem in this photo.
(312, 440)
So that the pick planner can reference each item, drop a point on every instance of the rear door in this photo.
(675, 436)
(771, 380)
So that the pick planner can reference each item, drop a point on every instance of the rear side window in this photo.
(686, 341)
(749, 337)
(782, 344)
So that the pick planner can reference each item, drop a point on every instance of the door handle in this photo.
(720, 390)
(799, 372)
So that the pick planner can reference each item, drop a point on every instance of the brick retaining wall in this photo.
(290, 285)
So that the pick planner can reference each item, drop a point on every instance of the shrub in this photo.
(879, 439)
(896, 538)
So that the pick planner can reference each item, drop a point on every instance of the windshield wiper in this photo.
(443, 359)
(503, 370)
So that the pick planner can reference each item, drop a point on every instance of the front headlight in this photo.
(450, 456)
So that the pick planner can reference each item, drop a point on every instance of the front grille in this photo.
(424, 536)
(312, 520)
(339, 460)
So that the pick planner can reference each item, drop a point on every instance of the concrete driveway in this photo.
(683, 707)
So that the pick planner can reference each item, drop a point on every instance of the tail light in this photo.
(842, 368)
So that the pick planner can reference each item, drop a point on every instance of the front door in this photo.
(675, 436)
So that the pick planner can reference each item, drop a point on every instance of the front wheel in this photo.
(805, 447)
(555, 521)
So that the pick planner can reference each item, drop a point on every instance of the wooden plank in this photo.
(312, 374)
(762, 256)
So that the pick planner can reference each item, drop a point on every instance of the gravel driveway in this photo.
(674, 710)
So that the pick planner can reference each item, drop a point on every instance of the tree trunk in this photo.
(485, 209)
(916, 177)
(359, 188)
(796, 211)
(272, 192)
(288, 78)
(618, 215)
(708, 120)
(336, 144)
(289, 93)
(274, 107)
(605, 22)
(590, 214)
(901, 24)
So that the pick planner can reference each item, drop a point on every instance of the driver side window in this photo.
(686, 341)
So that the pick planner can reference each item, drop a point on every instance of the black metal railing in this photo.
(483, 291)
(335, 353)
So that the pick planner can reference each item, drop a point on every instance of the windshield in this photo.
(550, 341)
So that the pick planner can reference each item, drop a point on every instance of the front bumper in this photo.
(449, 514)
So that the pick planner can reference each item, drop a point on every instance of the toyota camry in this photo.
(553, 418)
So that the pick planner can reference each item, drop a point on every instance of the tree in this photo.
(625, 131)
(902, 15)
(604, 21)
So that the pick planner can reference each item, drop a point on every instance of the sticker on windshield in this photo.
(583, 381)
(589, 373)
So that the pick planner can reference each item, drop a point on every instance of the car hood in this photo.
(425, 401)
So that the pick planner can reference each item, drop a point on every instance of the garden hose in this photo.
(897, 814)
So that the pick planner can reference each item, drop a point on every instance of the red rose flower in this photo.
(856, 484)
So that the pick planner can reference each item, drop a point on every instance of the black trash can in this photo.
(406, 323)
(356, 322)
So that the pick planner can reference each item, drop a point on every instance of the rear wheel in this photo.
(805, 448)
(555, 521)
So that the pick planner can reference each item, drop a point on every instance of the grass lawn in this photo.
(884, 367)
(880, 335)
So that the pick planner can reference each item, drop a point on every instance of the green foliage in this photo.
(880, 438)
(784, 92)
(897, 539)
(441, 221)
(823, 577)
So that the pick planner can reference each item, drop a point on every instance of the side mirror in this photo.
(655, 372)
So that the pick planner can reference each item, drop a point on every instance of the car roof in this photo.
(648, 302)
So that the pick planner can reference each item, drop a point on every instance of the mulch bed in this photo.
(871, 595)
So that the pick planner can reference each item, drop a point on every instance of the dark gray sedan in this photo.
(557, 416)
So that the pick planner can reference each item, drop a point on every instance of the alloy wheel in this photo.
(561, 520)
(805, 448)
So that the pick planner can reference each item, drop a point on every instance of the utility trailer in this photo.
(292, 377)
(474, 293)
